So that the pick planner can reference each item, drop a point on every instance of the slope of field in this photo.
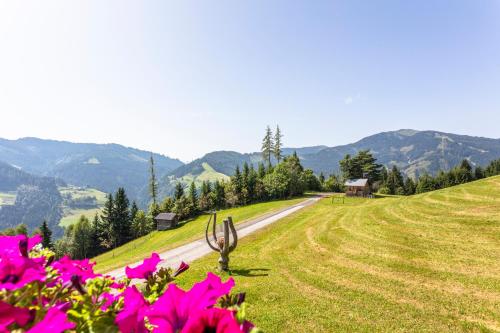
(71, 215)
(160, 241)
(427, 263)
(7, 198)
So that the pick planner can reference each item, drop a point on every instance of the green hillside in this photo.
(207, 173)
(72, 211)
(159, 241)
(426, 263)
(7, 198)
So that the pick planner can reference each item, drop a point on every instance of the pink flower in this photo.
(17, 271)
(55, 321)
(108, 299)
(12, 244)
(131, 318)
(68, 268)
(10, 314)
(144, 270)
(172, 310)
(212, 320)
(182, 268)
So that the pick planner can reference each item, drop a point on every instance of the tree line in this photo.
(393, 181)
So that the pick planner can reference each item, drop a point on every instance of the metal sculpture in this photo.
(222, 244)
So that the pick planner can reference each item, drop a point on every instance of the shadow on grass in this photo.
(250, 272)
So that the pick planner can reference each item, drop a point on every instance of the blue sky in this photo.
(187, 77)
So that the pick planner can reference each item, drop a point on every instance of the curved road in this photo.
(199, 248)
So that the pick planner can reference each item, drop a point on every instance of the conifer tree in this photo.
(46, 234)
(94, 236)
(153, 185)
(106, 234)
(261, 170)
(133, 210)
(179, 191)
(219, 194)
(238, 181)
(267, 146)
(193, 197)
(321, 178)
(278, 144)
(121, 224)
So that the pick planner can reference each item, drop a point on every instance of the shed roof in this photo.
(165, 216)
(356, 182)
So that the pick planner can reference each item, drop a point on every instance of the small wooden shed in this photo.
(357, 187)
(165, 221)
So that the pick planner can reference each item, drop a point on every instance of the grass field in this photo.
(426, 263)
(7, 198)
(159, 241)
(208, 174)
(72, 215)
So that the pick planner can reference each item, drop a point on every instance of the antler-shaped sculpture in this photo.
(221, 244)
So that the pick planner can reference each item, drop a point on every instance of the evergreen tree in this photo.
(237, 181)
(492, 169)
(81, 242)
(409, 186)
(267, 146)
(107, 235)
(425, 184)
(278, 144)
(251, 183)
(153, 185)
(94, 236)
(133, 210)
(46, 234)
(261, 170)
(363, 165)
(478, 172)
(207, 198)
(193, 197)
(321, 178)
(395, 182)
(121, 224)
(219, 194)
(178, 191)
(141, 225)
(167, 205)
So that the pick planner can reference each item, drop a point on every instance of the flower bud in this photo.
(241, 298)
(23, 247)
(182, 268)
(75, 281)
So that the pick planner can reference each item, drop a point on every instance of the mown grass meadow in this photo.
(159, 241)
(425, 263)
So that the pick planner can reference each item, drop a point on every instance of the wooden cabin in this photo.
(357, 187)
(165, 221)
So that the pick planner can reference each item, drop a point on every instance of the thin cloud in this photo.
(351, 99)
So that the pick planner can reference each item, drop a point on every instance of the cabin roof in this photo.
(356, 182)
(166, 216)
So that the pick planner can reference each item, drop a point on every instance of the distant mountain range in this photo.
(29, 199)
(102, 166)
(108, 166)
(414, 152)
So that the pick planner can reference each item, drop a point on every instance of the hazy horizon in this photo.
(245, 152)
(184, 79)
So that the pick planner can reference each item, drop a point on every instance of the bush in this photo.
(384, 190)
